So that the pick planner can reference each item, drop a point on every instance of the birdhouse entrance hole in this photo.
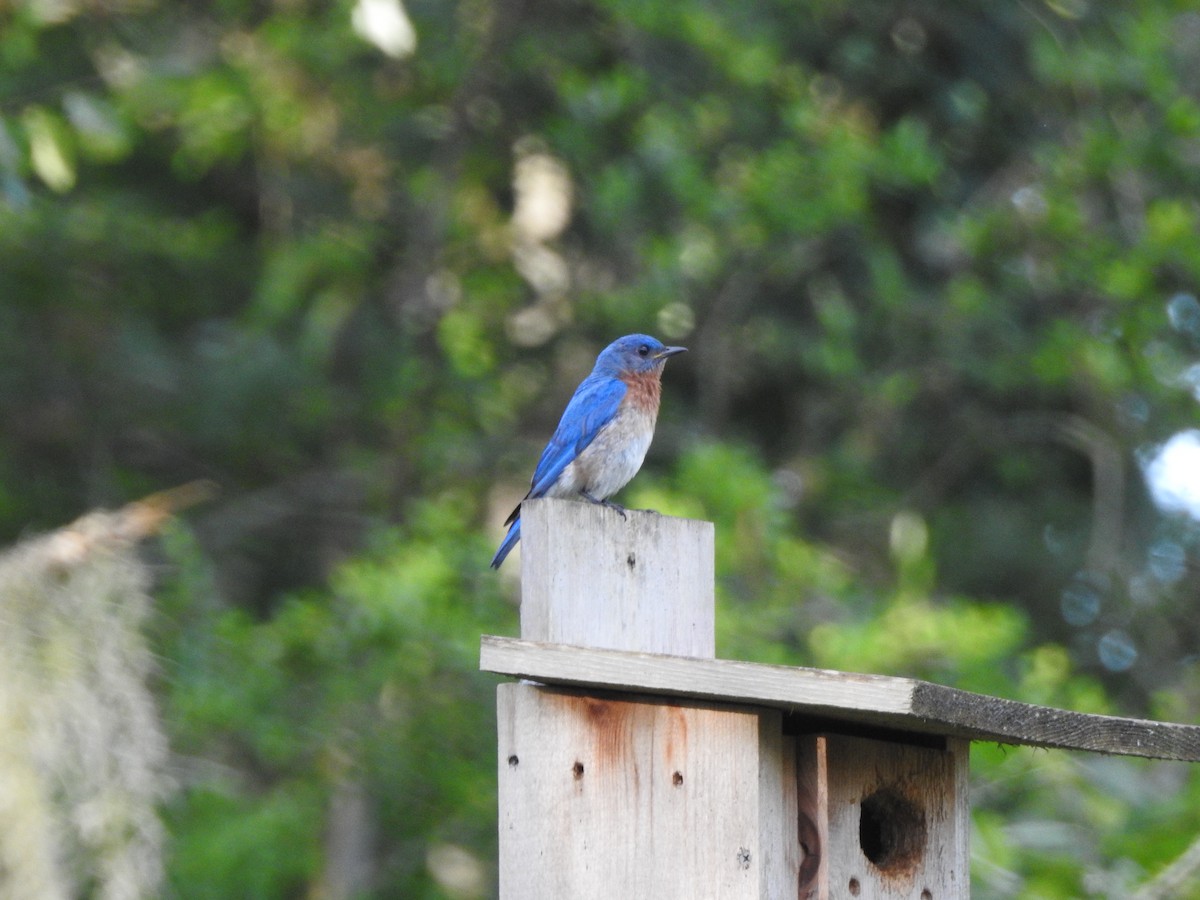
(891, 831)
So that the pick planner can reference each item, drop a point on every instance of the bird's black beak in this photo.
(669, 351)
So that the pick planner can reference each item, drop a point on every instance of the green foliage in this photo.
(374, 683)
(935, 265)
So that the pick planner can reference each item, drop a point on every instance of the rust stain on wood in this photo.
(676, 739)
(608, 722)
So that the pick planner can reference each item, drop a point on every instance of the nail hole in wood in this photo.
(677, 779)
(577, 769)
(512, 760)
(631, 560)
(854, 887)
(926, 894)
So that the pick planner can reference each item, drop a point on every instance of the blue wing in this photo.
(591, 408)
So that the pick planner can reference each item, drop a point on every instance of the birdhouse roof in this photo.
(841, 700)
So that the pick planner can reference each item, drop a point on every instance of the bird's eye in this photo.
(644, 350)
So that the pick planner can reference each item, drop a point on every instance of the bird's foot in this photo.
(617, 507)
(606, 503)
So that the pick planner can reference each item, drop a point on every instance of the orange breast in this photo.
(645, 390)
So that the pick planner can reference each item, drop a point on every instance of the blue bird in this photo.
(604, 433)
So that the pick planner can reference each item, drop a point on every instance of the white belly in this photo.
(610, 461)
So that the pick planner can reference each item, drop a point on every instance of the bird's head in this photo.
(634, 354)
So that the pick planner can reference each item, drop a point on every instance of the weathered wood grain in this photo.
(903, 704)
(640, 582)
(614, 797)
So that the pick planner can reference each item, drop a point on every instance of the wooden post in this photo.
(614, 796)
(592, 578)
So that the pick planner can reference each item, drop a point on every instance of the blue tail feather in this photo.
(506, 545)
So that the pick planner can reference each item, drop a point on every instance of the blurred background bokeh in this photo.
(937, 264)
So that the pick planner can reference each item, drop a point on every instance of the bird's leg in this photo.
(607, 503)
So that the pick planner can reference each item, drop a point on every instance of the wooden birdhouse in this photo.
(634, 764)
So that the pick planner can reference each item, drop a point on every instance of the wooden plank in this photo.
(777, 801)
(812, 795)
(641, 582)
(960, 748)
(719, 679)
(904, 704)
(1045, 726)
(615, 797)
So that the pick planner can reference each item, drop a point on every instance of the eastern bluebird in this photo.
(605, 431)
